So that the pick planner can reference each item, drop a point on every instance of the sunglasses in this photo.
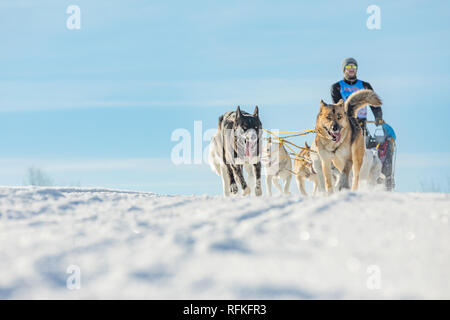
(351, 66)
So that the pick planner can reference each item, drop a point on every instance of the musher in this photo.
(342, 90)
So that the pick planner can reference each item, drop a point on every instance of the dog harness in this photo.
(348, 89)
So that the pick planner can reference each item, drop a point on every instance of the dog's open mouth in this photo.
(335, 136)
(250, 148)
(247, 148)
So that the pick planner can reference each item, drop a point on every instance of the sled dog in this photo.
(309, 167)
(370, 172)
(236, 145)
(339, 138)
(303, 170)
(371, 168)
(277, 165)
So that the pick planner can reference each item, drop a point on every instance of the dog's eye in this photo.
(339, 117)
(329, 117)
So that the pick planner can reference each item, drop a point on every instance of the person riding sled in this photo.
(342, 90)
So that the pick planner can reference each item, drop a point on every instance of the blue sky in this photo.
(97, 106)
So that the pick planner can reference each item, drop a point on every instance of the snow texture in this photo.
(136, 245)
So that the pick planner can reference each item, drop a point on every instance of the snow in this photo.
(137, 245)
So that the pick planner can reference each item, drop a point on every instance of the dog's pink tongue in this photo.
(338, 137)
(247, 148)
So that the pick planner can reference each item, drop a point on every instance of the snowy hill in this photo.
(126, 244)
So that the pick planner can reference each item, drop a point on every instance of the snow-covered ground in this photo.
(123, 244)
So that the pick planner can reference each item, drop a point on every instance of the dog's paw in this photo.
(234, 188)
(258, 191)
(246, 191)
(342, 185)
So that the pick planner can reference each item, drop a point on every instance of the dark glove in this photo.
(379, 121)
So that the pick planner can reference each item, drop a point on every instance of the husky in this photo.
(316, 165)
(236, 146)
(370, 172)
(308, 166)
(371, 168)
(303, 170)
(339, 138)
(278, 166)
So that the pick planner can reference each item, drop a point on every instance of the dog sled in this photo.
(384, 141)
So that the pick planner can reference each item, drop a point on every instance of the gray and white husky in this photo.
(236, 145)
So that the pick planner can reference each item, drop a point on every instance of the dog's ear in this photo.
(322, 106)
(238, 112)
(256, 112)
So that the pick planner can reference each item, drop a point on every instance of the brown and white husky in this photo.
(339, 137)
